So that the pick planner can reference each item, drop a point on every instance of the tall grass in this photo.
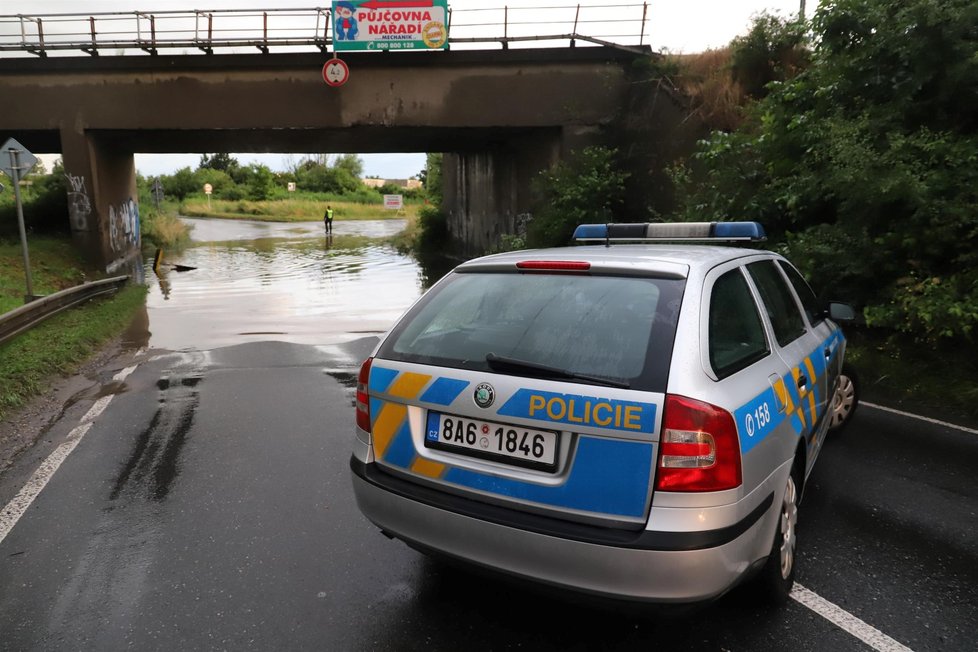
(163, 229)
(706, 78)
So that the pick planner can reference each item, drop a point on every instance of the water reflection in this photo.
(290, 282)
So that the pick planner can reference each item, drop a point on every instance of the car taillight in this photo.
(363, 397)
(699, 450)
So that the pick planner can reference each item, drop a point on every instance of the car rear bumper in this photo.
(641, 566)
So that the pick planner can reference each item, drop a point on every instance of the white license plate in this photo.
(535, 449)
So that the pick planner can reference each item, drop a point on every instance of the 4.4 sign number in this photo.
(336, 72)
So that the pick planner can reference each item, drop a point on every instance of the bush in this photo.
(431, 177)
(180, 184)
(260, 183)
(863, 166)
(45, 205)
(775, 49)
(433, 230)
(587, 188)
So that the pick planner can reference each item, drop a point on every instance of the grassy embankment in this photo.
(62, 343)
(292, 210)
(917, 377)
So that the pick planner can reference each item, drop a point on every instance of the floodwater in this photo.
(256, 281)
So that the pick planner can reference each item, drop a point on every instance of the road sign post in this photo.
(14, 150)
(157, 192)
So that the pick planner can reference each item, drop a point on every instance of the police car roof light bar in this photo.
(671, 231)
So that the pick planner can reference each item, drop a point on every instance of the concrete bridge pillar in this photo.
(103, 203)
(490, 193)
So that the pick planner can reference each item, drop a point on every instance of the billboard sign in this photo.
(390, 25)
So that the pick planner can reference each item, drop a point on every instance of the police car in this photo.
(628, 420)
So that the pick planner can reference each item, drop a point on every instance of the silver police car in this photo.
(629, 420)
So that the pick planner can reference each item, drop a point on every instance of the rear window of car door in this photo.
(804, 291)
(779, 301)
(736, 332)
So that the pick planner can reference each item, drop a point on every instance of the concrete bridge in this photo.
(500, 117)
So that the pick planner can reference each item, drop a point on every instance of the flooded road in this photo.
(257, 281)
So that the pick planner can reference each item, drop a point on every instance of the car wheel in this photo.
(845, 399)
(778, 574)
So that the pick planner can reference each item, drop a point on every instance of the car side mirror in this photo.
(841, 312)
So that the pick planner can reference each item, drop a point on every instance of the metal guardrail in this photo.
(616, 25)
(29, 315)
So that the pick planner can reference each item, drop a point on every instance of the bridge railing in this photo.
(619, 25)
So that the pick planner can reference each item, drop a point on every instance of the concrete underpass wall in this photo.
(117, 200)
(489, 194)
(480, 200)
(103, 205)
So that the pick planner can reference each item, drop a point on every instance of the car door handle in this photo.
(828, 353)
(802, 382)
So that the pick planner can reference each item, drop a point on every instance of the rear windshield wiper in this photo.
(500, 363)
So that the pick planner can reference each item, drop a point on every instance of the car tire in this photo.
(845, 399)
(777, 576)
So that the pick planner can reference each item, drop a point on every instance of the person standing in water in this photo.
(328, 219)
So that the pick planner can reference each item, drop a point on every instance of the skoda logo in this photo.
(484, 395)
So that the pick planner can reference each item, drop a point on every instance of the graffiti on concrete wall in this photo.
(124, 226)
(79, 206)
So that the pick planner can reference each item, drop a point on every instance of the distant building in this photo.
(407, 184)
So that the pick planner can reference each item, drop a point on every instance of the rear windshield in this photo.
(608, 327)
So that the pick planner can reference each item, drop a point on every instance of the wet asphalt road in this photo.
(210, 507)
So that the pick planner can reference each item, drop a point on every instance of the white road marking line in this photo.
(122, 375)
(97, 408)
(16, 507)
(920, 418)
(844, 620)
(19, 504)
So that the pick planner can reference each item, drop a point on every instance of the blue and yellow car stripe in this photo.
(608, 476)
(760, 416)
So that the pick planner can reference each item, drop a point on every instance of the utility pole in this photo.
(801, 11)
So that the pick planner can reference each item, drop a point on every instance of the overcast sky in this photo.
(673, 25)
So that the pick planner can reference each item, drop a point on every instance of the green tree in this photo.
(316, 177)
(219, 179)
(430, 176)
(865, 166)
(45, 202)
(220, 161)
(180, 184)
(775, 49)
(260, 183)
(351, 163)
(587, 188)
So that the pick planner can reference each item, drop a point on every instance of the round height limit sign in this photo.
(336, 72)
